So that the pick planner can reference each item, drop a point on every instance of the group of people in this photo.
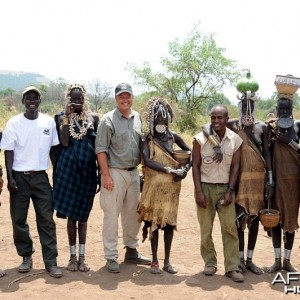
(236, 168)
(86, 154)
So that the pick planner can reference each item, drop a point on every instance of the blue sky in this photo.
(82, 40)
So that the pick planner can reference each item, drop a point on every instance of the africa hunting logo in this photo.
(290, 276)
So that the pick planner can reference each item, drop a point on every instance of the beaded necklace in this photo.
(74, 122)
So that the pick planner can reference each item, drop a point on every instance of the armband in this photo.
(65, 121)
(294, 145)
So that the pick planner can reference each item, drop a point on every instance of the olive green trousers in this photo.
(227, 217)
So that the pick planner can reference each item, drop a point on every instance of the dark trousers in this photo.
(37, 188)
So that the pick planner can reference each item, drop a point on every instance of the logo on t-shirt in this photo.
(47, 131)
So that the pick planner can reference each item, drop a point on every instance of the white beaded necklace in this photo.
(74, 121)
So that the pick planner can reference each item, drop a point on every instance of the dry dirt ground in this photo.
(136, 282)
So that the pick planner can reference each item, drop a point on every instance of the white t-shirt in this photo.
(30, 140)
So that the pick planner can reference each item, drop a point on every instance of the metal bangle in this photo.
(231, 188)
(168, 170)
(270, 179)
(294, 145)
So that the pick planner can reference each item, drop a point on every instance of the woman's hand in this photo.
(179, 174)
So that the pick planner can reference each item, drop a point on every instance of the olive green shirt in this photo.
(120, 138)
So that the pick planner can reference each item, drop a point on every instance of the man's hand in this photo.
(107, 182)
(201, 199)
(218, 157)
(1, 184)
(227, 198)
(12, 185)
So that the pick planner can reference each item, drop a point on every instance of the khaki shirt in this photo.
(213, 172)
(120, 138)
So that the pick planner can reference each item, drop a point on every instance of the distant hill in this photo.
(18, 80)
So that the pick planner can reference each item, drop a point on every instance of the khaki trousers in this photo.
(206, 216)
(123, 199)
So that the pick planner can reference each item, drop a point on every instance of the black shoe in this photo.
(54, 271)
(26, 265)
(134, 257)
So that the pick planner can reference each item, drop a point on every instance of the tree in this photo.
(194, 71)
(7, 92)
(98, 93)
(55, 92)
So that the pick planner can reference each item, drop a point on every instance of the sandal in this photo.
(170, 269)
(73, 264)
(82, 266)
(242, 266)
(253, 268)
(288, 266)
(155, 268)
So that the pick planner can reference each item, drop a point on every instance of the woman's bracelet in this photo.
(65, 120)
(168, 170)
(231, 189)
(294, 145)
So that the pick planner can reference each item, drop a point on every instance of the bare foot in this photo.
(155, 268)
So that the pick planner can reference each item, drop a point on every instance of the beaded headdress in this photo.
(156, 104)
(75, 118)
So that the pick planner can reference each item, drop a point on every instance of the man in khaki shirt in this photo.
(214, 183)
(118, 154)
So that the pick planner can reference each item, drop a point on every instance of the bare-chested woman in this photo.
(285, 149)
(158, 207)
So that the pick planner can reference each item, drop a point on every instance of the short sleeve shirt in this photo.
(31, 141)
(120, 138)
(213, 172)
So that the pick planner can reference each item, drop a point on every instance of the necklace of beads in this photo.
(74, 122)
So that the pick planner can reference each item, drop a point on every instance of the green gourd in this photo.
(247, 83)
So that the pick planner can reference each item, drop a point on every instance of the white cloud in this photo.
(81, 40)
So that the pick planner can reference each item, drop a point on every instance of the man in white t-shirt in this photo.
(27, 140)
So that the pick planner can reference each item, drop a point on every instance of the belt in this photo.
(129, 169)
(31, 172)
